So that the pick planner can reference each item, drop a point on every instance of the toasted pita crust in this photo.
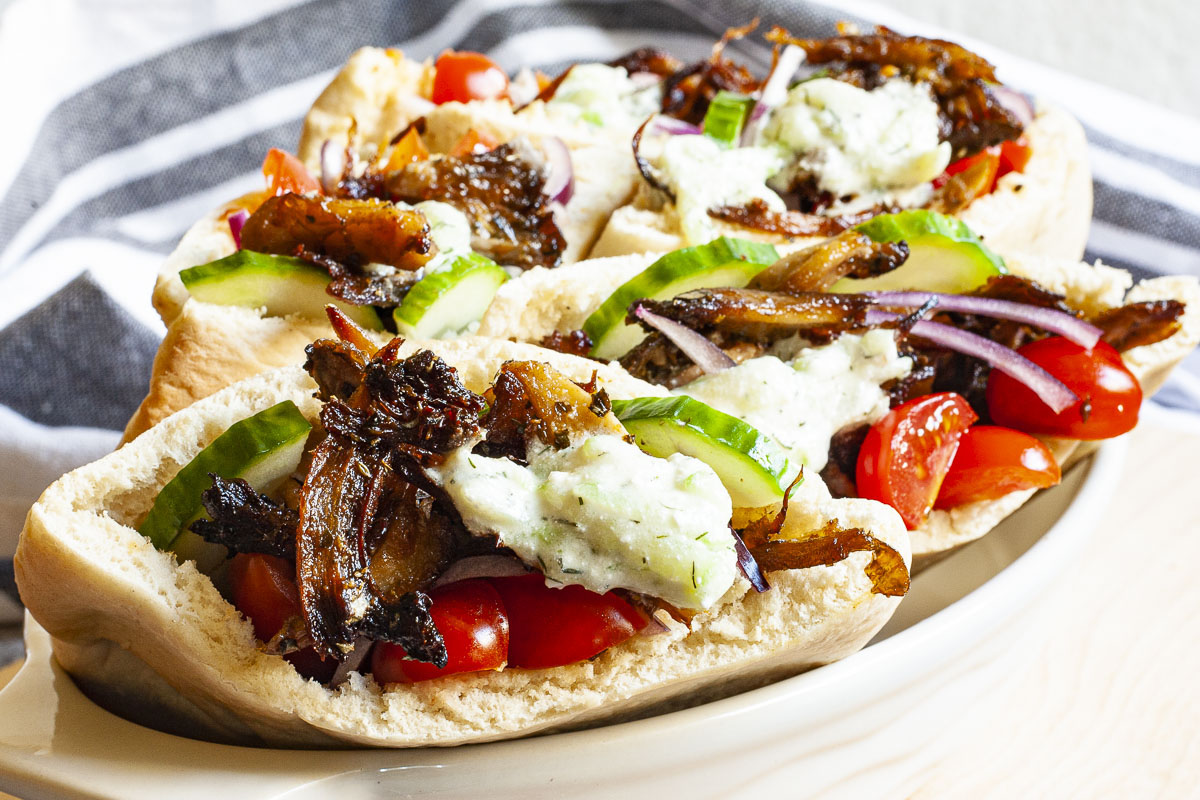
(375, 95)
(1044, 210)
(134, 610)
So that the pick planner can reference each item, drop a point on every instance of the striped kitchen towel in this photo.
(125, 121)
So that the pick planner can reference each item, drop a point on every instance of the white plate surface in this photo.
(866, 726)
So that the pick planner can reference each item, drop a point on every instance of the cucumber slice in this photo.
(945, 255)
(445, 302)
(749, 463)
(263, 450)
(281, 284)
(721, 262)
(726, 116)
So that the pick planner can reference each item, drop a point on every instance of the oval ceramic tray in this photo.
(866, 726)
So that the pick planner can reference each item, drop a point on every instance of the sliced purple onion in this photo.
(704, 353)
(333, 166)
(237, 221)
(674, 127)
(748, 565)
(354, 659)
(1049, 389)
(773, 92)
(560, 184)
(1018, 103)
(486, 566)
(1082, 333)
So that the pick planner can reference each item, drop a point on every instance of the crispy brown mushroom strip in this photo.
(828, 545)
(339, 232)
(817, 268)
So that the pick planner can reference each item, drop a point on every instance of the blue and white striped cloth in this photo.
(125, 121)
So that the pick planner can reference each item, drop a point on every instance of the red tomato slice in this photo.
(470, 616)
(991, 462)
(463, 76)
(1110, 395)
(553, 627)
(906, 455)
(1014, 155)
(264, 589)
(990, 159)
(285, 173)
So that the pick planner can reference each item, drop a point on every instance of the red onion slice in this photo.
(1049, 389)
(237, 221)
(1082, 333)
(748, 565)
(333, 166)
(560, 183)
(704, 353)
(1016, 102)
(486, 566)
(661, 123)
(774, 91)
(352, 662)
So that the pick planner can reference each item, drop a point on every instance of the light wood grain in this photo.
(1109, 704)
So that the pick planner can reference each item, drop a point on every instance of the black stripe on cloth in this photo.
(1147, 216)
(96, 216)
(1179, 170)
(8, 585)
(53, 378)
(196, 80)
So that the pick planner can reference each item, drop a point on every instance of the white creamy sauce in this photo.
(602, 514)
(802, 403)
(877, 146)
(604, 97)
(705, 175)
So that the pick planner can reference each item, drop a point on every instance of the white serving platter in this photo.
(867, 726)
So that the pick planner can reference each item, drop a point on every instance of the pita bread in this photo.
(1044, 210)
(139, 627)
(543, 301)
(378, 93)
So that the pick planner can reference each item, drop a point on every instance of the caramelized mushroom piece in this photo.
(816, 268)
(351, 233)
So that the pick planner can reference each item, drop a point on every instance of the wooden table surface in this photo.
(1108, 705)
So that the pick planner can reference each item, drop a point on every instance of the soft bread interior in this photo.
(170, 619)
(1044, 210)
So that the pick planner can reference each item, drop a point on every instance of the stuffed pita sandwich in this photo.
(401, 511)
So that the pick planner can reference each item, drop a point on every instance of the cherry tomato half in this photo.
(906, 455)
(285, 173)
(1110, 395)
(470, 616)
(264, 589)
(991, 462)
(988, 161)
(552, 627)
(1014, 155)
(463, 76)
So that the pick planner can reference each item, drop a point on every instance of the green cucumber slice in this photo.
(445, 302)
(749, 463)
(263, 450)
(721, 262)
(281, 284)
(945, 255)
(726, 116)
